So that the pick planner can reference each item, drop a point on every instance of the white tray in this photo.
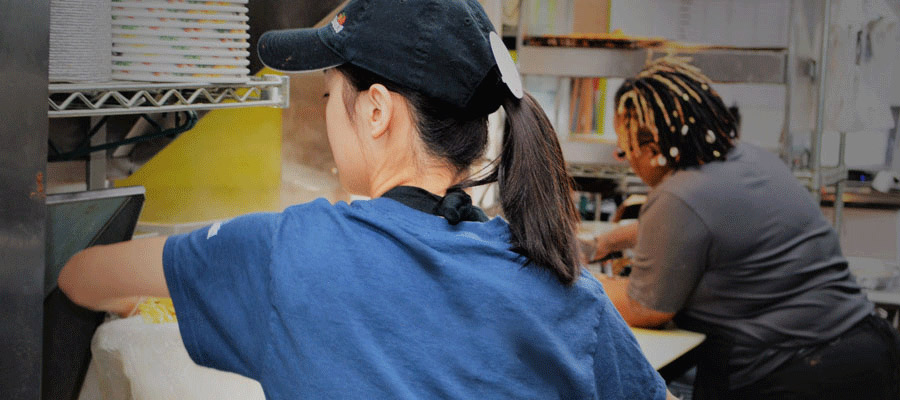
(200, 6)
(119, 20)
(160, 13)
(177, 50)
(175, 59)
(185, 32)
(173, 41)
(171, 77)
(179, 68)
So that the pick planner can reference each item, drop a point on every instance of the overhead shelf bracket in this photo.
(117, 98)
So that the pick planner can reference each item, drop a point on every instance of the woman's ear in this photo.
(379, 110)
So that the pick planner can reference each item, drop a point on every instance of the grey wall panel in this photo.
(24, 43)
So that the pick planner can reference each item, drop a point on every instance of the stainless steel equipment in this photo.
(24, 54)
(77, 221)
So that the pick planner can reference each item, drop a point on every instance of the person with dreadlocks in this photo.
(730, 244)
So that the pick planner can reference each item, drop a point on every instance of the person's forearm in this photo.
(621, 238)
(111, 277)
(632, 312)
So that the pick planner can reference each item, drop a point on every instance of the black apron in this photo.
(712, 380)
(456, 206)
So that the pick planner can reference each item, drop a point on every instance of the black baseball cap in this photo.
(444, 49)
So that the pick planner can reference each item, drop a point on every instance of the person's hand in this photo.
(594, 249)
(602, 247)
(586, 250)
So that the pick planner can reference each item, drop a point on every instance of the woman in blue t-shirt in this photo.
(416, 293)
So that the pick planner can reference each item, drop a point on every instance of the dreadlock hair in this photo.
(671, 103)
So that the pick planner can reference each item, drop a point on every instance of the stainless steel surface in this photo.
(117, 98)
(787, 139)
(816, 139)
(77, 220)
(578, 62)
(96, 165)
(829, 176)
(96, 195)
(803, 51)
(602, 171)
(839, 187)
(732, 65)
(889, 158)
(24, 46)
(743, 66)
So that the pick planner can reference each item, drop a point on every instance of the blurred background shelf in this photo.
(720, 64)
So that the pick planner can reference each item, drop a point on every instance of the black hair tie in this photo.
(456, 206)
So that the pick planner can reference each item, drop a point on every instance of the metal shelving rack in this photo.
(723, 65)
(100, 100)
(25, 107)
(121, 97)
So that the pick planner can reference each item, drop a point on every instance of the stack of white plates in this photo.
(79, 40)
(180, 40)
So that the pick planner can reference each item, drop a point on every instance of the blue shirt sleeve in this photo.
(619, 359)
(218, 278)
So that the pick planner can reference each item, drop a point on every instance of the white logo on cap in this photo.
(508, 71)
(337, 24)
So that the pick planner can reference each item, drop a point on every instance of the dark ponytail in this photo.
(535, 189)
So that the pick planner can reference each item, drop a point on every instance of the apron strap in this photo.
(456, 206)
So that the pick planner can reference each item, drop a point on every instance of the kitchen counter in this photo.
(664, 346)
(862, 195)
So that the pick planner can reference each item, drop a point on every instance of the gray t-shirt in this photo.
(739, 249)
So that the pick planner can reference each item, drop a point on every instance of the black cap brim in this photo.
(296, 50)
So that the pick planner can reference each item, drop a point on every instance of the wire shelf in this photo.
(120, 97)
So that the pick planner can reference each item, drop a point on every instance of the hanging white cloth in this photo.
(860, 61)
(882, 66)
